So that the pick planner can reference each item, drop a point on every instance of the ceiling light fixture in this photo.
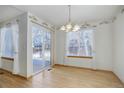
(69, 27)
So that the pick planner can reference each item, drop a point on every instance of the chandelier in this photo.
(69, 27)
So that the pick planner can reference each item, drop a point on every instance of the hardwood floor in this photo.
(63, 77)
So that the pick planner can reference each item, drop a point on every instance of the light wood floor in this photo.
(67, 77)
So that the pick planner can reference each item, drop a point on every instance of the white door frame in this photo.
(52, 45)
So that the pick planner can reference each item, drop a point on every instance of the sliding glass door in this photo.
(41, 44)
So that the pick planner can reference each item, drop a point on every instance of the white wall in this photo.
(60, 38)
(23, 27)
(103, 48)
(7, 64)
(118, 44)
(29, 48)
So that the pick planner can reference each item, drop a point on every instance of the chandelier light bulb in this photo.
(76, 28)
(63, 28)
(69, 26)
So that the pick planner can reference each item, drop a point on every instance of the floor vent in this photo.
(49, 69)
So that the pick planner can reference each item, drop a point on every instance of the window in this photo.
(7, 40)
(79, 43)
(41, 41)
(37, 42)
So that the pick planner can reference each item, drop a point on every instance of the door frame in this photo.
(51, 42)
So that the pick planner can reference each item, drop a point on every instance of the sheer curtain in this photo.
(15, 35)
(0, 49)
(9, 43)
(79, 43)
(2, 34)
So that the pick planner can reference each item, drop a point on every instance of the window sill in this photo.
(8, 58)
(88, 57)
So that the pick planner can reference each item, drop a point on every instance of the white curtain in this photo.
(2, 34)
(15, 31)
(0, 49)
(9, 43)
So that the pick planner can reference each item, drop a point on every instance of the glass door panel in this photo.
(41, 44)
(47, 47)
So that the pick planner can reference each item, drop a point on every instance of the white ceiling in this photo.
(7, 12)
(58, 14)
